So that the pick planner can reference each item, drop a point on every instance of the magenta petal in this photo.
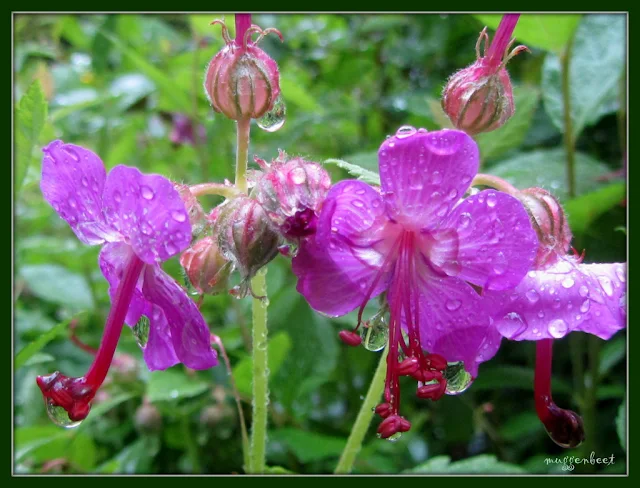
(149, 213)
(158, 352)
(423, 175)
(72, 182)
(496, 242)
(190, 335)
(112, 259)
(336, 282)
(454, 322)
(563, 298)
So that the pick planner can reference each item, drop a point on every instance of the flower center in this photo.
(301, 224)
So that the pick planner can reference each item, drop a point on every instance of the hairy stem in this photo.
(214, 189)
(363, 420)
(242, 153)
(260, 374)
(494, 182)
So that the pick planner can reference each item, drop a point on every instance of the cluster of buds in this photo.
(242, 81)
(479, 98)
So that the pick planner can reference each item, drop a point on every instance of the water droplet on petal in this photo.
(357, 203)
(453, 194)
(512, 325)
(584, 308)
(147, 193)
(464, 220)
(492, 200)
(146, 229)
(405, 131)
(584, 291)
(73, 203)
(59, 415)
(436, 178)
(141, 331)
(532, 296)
(557, 328)
(605, 283)
(568, 282)
(117, 197)
(178, 216)
(171, 248)
(376, 335)
(275, 118)
(84, 181)
(458, 379)
(416, 185)
(621, 274)
(500, 264)
(453, 305)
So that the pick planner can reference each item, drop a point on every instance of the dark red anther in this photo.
(405, 425)
(384, 410)
(350, 338)
(426, 375)
(436, 361)
(432, 391)
(408, 367)
(392, 425)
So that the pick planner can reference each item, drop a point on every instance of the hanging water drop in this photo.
(275, 118)
(458, 379)
(558, 328)
(376, 334)
(59, 415)
(141, 331)
(394, 437)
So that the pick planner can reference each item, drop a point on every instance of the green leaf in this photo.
(549, 32)
(179, 99)
(308, 446)
(354, 170)
(103, 407)
(101, 47)
(545, 168)
(277, 470)
(584, 209)
(277, 351)
(33, 348)
(31, 115)
(295, 93)
(56, 284)
(621, 425)
(595, 68)
(511, 135)
(201, 24)
(500, 377)
(485, 463)
(521, 426)
(135, 458)
(39, 444)
(611, 354)
(173, 384)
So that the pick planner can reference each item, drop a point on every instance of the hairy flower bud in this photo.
(206, 267)
(242, 80)
(479, 98)
(549, 222)
(291, 192)
(245, 236)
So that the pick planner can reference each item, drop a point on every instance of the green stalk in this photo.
(242, 153)
(569, 143)
(260, 374)
(363, 420)
(591, 399)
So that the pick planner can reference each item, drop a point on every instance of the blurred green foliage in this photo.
(113, 82)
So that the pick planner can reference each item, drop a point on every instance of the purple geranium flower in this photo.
(142, 221)
(420, 241)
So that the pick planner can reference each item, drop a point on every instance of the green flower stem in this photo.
(242, 153)
(569, 143)
(494, 182)
(260, 374)
(591, 399)
(361, 425)
(214, 189)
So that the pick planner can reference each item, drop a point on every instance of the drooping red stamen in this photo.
(75, 394)
(563, 426)
(501, 40)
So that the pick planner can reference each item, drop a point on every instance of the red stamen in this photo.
(563, 426)
(350, 338)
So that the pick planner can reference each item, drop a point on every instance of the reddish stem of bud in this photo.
(563, 426)
(243, 22)
(501, 39)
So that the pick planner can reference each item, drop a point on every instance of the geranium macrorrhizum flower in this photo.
(142, 221)
(417, 239)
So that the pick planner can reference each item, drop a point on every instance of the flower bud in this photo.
(242, 81)
(196, 214)
(148, 418)
(479, 98)
(184, 132)
(245, 235)
(206, 267)
(549, 222)
(292, 192)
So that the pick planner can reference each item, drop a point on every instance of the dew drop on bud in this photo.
(141, 331)
(275, 118)
(458, 379)
(59, 415)
(394, 437)
(376, 334)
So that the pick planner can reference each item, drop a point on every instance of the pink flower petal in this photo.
(72, 183)
(548, 304)
(189, 333)
(149, 213)
(423, 175)
(454, 322)
(159, 353)
(496, 242)
(112, 259)
(337, 270)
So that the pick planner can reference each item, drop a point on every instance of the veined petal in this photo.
(548, 304)
(72, 183)
(189, 333)
(337, 269)
(159, 353)
(149, 213)
(454, 322)
(496, 242)
(423, 175)
(112, 259)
